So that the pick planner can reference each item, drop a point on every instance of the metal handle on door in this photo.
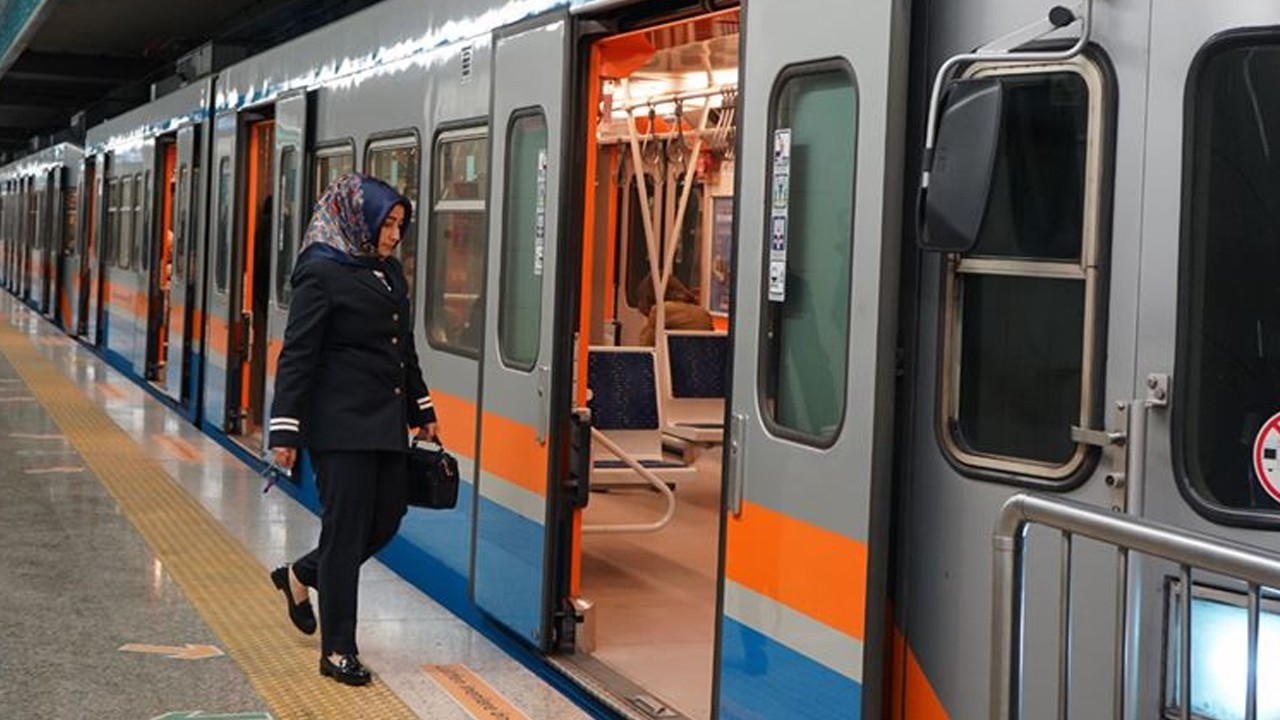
(543, 398)
(737, 463)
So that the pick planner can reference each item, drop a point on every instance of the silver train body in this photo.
(1093, 343)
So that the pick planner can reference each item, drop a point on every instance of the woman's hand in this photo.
(285, 457)
(429, 432)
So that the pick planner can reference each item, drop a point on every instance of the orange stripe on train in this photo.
(812, 570)
(511, 451)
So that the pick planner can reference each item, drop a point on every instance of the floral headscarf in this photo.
(338, 220)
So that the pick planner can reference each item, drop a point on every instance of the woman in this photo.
(349, 389)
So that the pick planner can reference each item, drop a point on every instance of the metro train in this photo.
(883, 355)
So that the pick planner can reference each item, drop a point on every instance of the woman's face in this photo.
(389, 235)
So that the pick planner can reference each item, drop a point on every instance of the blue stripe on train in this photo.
(762, 679)
(508, 574)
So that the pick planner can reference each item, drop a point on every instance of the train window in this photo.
(804, 352)
(1022, 330)
(523, 234)
(395, 161)
(460, 186)
(113, 221)
(1229, 320)
(125, 238)
(70, 221)
(332, 162)
(222, 255)
(286, 247)
(142, 224)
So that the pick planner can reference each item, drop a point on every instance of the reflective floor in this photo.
(92, 621)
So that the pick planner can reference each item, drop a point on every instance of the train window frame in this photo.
(504, 357)
(477, 129)
(324, 151)
(766, 375)
(1186, 476)
(396, 140)
(1089, 268)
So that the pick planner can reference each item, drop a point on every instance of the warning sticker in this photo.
(1266, 456)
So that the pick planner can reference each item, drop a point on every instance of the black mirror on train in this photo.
(953, 199)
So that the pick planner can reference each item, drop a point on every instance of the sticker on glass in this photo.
(1266, 457)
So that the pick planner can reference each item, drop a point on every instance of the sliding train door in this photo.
(289, 213)
(220, 317)
(178, 265)
(809, 442)
(515, 576)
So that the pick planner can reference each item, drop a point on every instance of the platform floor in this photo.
(134, 554)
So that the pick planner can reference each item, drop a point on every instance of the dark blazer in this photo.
(348, 376)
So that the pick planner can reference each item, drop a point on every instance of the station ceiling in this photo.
(102, 56)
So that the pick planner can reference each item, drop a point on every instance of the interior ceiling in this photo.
(84, 57)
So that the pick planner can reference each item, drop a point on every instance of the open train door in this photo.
(516, 575)
(289, 212)
(810, 435)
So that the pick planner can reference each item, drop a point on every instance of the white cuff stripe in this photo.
(284, 424)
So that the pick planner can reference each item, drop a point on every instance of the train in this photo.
(939, 256)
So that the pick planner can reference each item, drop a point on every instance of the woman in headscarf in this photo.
(349, 389)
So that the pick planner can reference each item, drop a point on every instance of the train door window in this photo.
(1022, 328)
(141, 242)
(222, 252)
(70, 221)
(286, 247)
(459, 187)
(113, 221)
(331, 163)
(1229, 322)
(520, 302)
(395, 161)
(125, 238)
(804, 352)
(181, 225)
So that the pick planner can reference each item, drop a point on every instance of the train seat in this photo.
(624, 406)
(694, 385)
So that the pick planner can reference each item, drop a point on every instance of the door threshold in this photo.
(616, 691)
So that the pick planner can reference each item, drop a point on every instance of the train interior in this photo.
(658, 210)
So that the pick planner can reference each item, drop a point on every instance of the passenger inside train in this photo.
(658, 219)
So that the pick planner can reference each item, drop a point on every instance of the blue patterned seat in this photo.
(695, 385)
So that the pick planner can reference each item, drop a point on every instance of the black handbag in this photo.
(433, 477)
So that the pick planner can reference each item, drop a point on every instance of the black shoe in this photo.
(299, 612)
(348, 670)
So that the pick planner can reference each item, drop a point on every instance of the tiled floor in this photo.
(78, 581)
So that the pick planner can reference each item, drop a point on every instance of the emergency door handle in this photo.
(737, 462)
(543, 399)
(1097, 438)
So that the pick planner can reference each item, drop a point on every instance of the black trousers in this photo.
(363, 495)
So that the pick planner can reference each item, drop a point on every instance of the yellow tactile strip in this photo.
(226, 585)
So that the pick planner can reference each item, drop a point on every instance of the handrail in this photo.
(1256, 566)
(645, 473)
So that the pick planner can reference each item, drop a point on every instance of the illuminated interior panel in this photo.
(1219, 654)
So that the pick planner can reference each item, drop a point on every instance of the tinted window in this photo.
(1018, 335)
(286, 245)
(455, 311)
(330, 165)
(222, 252)
(1231, 319)
(806, 328)
(523, 234)
(125, 237)
(396, 163)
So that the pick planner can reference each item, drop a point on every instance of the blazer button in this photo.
(401, 364)
(397, 391)
(395, 317)
(395, 341)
